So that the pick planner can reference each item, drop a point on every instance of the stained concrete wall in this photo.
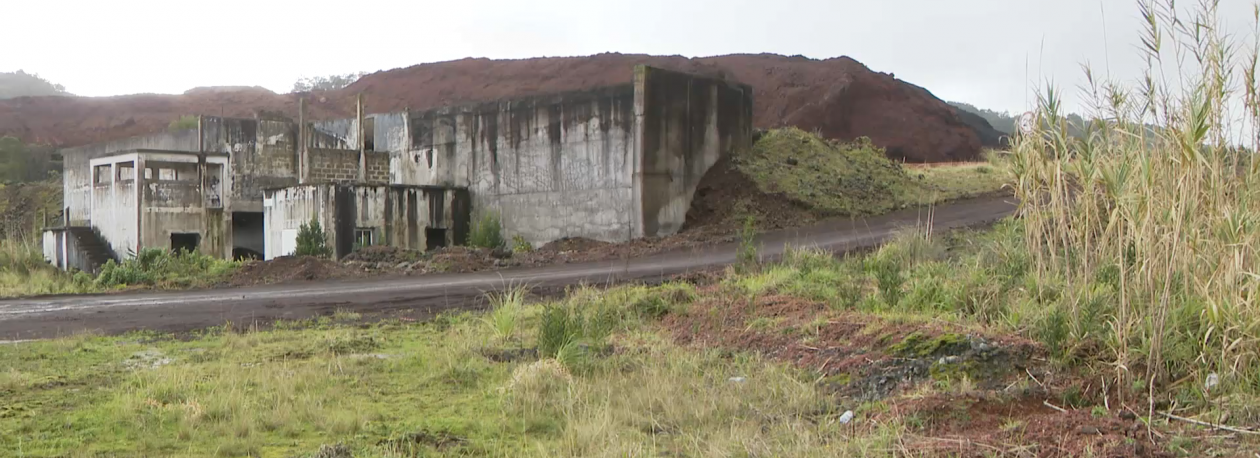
(263, 152)
(180, 206)
(77, 173)
(397, 215)
(553, 166)
(686, 123)
(115, 205)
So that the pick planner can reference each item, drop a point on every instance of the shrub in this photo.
(888, 278)
(159, 267)
(746, 257)
(487, 232)
(311, 240)
(520, 245)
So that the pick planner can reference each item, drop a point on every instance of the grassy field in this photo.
(401, 389)
(856, 179)
(728, 368)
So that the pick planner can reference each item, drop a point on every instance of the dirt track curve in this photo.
(426, 295)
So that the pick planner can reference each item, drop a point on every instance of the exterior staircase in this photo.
(91, 247)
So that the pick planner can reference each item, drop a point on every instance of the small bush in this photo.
(159, 267)
(487, 232)
(746, 258)
(520, 245)
(311, 240)
(888, 278)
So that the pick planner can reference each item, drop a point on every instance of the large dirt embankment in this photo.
(839, 98)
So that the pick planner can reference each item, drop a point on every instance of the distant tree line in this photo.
(21, 163)
(1077, 126)
(326, 83)
(22, 84)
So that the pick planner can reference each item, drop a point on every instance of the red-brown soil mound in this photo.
(840, 98)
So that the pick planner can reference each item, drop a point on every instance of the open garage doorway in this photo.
(247, 235)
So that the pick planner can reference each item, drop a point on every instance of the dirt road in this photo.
(426, 295)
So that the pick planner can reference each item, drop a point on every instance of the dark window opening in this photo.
(434, 238)
(185, 242)
(369, 134)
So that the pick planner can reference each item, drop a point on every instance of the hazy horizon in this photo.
(984, 52)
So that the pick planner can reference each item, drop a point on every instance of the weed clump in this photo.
(160, 267)
(487, 232)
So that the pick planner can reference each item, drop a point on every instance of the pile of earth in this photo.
(287, 269)
(839, 97)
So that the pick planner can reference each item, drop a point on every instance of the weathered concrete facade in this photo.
(612, 163)
(352, 216)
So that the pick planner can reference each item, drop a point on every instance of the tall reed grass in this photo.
(1150, 223)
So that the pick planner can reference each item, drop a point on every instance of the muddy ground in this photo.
(958, 390)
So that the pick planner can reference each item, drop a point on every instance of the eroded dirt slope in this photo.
(839, 98)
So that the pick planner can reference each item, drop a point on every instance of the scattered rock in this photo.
(736, 379)
(1127, 415)
(791, 161)
(1090, 430)
(847, 417)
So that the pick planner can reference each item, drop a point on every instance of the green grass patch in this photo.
(395, 389)
(856, 178)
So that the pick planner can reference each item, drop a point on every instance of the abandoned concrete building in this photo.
(611, 164)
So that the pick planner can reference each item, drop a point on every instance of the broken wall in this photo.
(686, 123)
(263, 152)
(340, 166)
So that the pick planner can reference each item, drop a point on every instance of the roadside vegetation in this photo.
(855, 178)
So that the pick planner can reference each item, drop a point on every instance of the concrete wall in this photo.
(553, 166)
(77, 174)
(686, 123)
(264, 155)
(115, 205)
(397, 215)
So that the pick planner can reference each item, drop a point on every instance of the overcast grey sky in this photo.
(980, 51)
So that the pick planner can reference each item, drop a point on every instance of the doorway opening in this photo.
(185, 242)
(247, 235)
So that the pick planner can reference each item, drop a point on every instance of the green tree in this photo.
(13, 160)
(311, 240)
